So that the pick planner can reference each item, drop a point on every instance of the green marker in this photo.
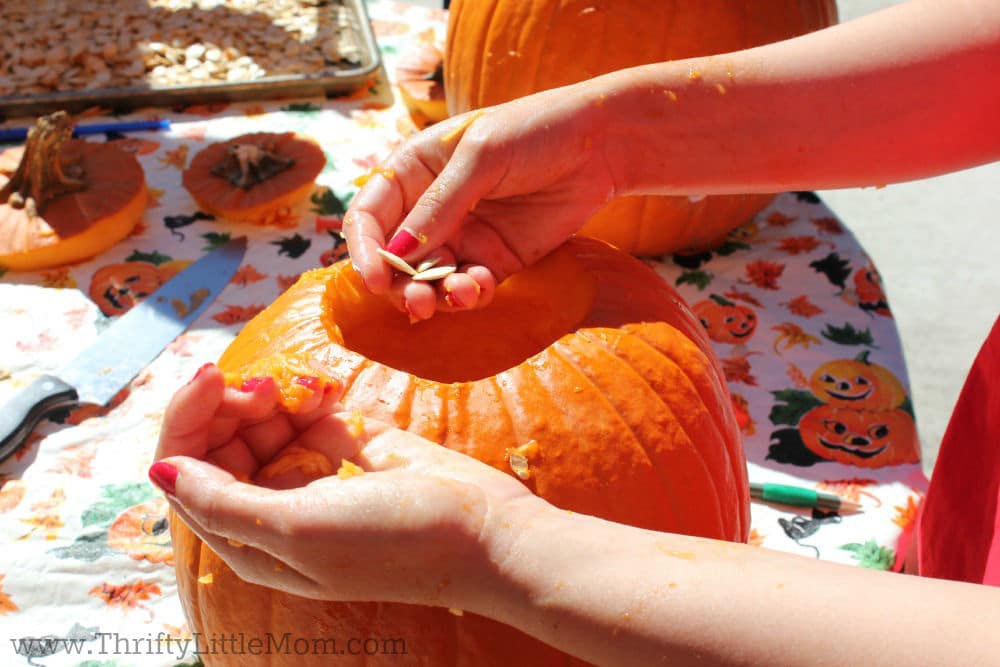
(802, 497)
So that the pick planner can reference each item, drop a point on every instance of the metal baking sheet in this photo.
(330, 84)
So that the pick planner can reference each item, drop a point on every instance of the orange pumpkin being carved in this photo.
(67, 200)
(254, 177)
(864, 438)
(608, 385)
(499, 50)
(857, 384)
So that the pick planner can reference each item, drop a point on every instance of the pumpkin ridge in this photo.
(482, 58)
(678, 516)
(682, 423)
(719, 408)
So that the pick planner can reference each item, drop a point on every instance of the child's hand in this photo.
(491, 192)
(421, 524)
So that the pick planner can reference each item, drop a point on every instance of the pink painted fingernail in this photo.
(413, 318)
(252, 384)
(452, 300)
(312, 383)
(164, 476)
(403, 243)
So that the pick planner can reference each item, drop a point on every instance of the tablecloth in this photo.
(792, 302)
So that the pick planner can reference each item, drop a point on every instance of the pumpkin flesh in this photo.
(610, 376)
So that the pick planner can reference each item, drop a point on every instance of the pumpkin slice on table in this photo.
(66, 200)
(499, 50)
(257, 177)
(420, 78)
(601, 395)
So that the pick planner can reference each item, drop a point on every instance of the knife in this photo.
(125, 348)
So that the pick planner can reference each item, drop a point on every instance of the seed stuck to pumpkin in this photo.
(258, 178)
(67, 200)
(206, 579)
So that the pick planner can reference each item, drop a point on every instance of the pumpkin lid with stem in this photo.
(67, 199)
(420, 77)
(252, 177)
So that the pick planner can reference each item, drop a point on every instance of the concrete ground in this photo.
(937, 244)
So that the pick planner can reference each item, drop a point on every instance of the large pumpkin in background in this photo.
(499, 50)
(602, 396)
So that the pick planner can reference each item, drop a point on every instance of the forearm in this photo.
(905, 93)
(616, 595)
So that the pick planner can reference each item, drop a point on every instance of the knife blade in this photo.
(125, 348)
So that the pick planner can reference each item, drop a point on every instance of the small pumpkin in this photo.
(499, 50)
(726, 321)
(857, 384)
(67, 200)
(116, 288)
(256, 178)
(420, 78)
(603, 397)
(863, 438)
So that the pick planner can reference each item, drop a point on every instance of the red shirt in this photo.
(959, 530)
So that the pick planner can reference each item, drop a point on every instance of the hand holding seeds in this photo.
(482, 195)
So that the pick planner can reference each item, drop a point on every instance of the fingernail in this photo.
(452, 300)
(413, 318)
(252, 384)
(164, 476)
(312, 383)
(200, 372)
(403, 243)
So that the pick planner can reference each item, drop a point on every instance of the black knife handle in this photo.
(19, 417)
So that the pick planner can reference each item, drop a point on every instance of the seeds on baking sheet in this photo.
(155, 43)
(397, 262)
(435, 273)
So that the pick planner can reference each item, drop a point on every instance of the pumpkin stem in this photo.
(863, 357)
(42, 175)
(247, 165)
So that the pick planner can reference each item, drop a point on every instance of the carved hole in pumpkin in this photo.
(532, 309)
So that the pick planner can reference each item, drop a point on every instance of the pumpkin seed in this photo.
(397, 262)
(428, 263)
(435, 273)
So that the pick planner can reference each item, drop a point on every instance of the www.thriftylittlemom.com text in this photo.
(235, 643)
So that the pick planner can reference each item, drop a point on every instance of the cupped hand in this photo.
(421, 524)
(490, 192)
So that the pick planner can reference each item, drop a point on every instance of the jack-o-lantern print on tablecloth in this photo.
(863, 438)
(726, 321)
(857, 384)
(116, 288)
